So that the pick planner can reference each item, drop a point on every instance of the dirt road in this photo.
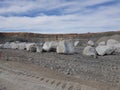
(19, 76)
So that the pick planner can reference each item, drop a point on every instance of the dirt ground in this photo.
(22, 70)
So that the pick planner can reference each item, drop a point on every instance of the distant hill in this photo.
(43, 37)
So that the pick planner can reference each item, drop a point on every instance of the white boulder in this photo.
(104, 50)
(22, 46)
(89, 51)
(91, 43)
(14, 45)
(65, 47)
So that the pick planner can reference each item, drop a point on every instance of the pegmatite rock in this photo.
(104, 50)
(89, 51)
(65, 47)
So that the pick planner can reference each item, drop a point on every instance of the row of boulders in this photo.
(20, 46)
(103, 48)
(63, 46)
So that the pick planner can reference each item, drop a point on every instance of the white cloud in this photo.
(22, 6)
(103, 18)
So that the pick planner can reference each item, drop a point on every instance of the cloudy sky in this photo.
(59, 16)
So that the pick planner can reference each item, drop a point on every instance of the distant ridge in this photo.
(83, 35)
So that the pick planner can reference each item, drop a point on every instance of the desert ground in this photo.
(20, 68)
(23, 70)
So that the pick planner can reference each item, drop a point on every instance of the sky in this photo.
(59, 16)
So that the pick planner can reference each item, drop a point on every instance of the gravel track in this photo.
(103, 69)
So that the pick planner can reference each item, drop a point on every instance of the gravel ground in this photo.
(102, 69)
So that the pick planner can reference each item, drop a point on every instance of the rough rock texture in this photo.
(65, 47)
(104, 50)
(14, 45)
(89, 51)
(22, 46)
(28, 45)
(6, 45)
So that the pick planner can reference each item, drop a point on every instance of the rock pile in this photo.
(89, 50)
(63, 46)
(109, 47)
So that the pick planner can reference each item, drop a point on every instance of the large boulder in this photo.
(65, 47)
(89, 51)
(22, 46)
(112, 42)
(6, 45)
(104, 50)
(50, 46)
(91, 43)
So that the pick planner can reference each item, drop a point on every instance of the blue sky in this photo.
(59, 16)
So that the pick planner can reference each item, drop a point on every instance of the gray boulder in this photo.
(65, 47)
(104, 50)
(89, 51)
(14, 45)
(22, 46)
